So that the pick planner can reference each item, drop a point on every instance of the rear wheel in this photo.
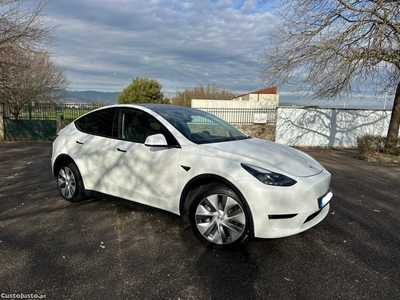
(218, 217)
(70, 182)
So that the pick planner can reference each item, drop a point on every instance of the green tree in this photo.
(200, 92)
(142, 90)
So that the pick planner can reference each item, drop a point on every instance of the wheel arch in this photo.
(59, 161)
(204, 179)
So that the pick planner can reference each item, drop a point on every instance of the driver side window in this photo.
(136, 126)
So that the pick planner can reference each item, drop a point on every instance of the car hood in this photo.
(268, 155)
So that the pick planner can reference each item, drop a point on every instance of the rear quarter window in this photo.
(99, 122)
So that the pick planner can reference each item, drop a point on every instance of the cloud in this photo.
(249, 6)
(180, 43)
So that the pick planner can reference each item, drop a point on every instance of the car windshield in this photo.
(198, 126)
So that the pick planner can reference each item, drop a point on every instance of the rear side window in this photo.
(99, 122)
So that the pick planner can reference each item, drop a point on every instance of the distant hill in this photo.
(332, 104)
(111, 98)
(88, 96)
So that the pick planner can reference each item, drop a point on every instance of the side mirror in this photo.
(156, 140)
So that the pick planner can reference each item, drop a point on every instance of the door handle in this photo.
(120, 150)
(78, 142)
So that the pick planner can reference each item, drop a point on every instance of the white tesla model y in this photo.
(226, 185)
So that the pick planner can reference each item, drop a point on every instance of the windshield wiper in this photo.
(243, 138)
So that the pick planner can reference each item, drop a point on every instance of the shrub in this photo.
(373, 144)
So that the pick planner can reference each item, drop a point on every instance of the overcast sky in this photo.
(103, 44)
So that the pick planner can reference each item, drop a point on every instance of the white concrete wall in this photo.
(200, 103)
(328, 127)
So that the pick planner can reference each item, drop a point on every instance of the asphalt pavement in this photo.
(110, 249)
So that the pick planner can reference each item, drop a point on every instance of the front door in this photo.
(145, 174)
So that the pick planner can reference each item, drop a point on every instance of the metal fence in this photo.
(49, 111)
(71, 111)
(244, 116)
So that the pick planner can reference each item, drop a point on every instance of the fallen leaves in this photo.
(288, 279)
(102, 245)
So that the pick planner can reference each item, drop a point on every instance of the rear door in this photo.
(94, 149)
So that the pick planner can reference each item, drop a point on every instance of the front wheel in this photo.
(218, 217)
(70, 182)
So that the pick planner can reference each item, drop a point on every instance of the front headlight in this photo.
(269, 177)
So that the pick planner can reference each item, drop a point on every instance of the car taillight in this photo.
(54, 137)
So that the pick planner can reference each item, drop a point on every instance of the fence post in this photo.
(59, 122)
(30, 110)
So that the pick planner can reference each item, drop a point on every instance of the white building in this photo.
(266, 98)
(253, 108)
(269, 95)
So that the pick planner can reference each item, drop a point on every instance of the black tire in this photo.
(229, 206)
(76, 185)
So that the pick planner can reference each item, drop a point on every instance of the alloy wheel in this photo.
(66, 182)
(220, 219)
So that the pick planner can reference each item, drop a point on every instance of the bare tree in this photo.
(27, 72)
(200, 92)
(335, 47)
(97, 103)
(40, 80)
(23, 26)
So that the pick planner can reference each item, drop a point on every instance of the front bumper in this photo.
(283, 211)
